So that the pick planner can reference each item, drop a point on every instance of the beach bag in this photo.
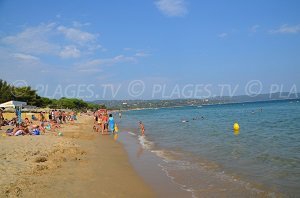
(36, 132)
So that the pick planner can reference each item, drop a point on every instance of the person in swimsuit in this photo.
(142, 128)
(105, 124)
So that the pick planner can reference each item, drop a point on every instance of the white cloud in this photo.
(93, 47)
(254, 28)
(33, 40)
(41, 47)
(70, 51)
(91, 63)
(25, 57)
(141, 54)
(287, 29)
(222, 35)
(17, 65)
(50, 39)
(122, 58)
(96, 65)
(91, 70)
(172, 8)
(90, 66)
(77, 35)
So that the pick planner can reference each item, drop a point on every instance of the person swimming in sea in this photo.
(198, 118)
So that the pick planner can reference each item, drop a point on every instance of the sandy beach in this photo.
(81, 163)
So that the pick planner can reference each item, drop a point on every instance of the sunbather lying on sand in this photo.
(20, 130)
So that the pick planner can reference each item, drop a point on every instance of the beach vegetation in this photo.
(27, 94)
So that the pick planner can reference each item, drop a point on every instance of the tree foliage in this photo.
(27, 94)
(5, 91)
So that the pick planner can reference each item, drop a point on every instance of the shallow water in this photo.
(205, 156)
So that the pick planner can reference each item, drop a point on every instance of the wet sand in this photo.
(81, 163)
(148, 165)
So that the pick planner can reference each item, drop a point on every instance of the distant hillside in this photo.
(261, 97)
(134, 104)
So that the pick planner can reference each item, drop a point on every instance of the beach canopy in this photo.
(13, 104)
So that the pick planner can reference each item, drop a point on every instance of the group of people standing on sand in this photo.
(103, 122)
(62, 116)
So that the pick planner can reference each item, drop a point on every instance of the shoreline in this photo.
(79, 164)
(196, 175)
(167, 182)
(148, 165)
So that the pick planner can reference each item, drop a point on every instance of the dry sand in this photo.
(81, 163)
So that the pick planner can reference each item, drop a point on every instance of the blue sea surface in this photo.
(202, 152)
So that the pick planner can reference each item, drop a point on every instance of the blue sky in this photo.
(55, 45)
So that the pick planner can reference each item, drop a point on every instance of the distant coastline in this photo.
(230, 103)
(124, 105)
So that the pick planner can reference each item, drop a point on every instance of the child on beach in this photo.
(98, 123)
(142, 128)
(111, 123)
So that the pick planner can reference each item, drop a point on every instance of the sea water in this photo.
(202, 153)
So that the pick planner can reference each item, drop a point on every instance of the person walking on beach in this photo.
(142, 128)
(50, 116)
(120, 115)
(42, 117)
(60, 117)
(111, 123)
(64, 117)
(104, 123)
(100, 122)
(95, 117)
(1, 117)
(56, 115)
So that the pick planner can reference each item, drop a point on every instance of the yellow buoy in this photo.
(236, 126)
